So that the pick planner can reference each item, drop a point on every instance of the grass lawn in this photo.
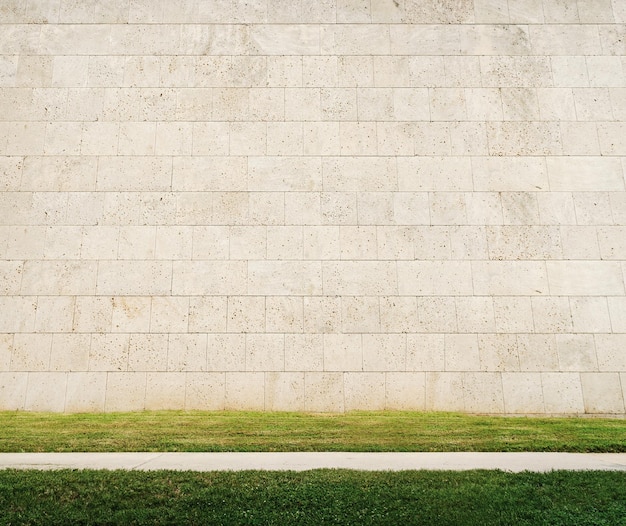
(241, 431)
(313, 497)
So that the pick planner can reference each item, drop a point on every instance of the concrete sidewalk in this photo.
(513, 462)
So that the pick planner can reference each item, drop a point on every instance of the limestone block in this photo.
(19, 313)
(13, 391)
(284, 71)
(592, 104)
(425, 352)
(602, 393)
(617, 310)
(10, 277)
(430, 278)
(284, 174)
(324, 392)
(395, 242)
(322, 314)
(245, 391)
(364, 391)
(483, 104)
(320, 138)
(405, 391)
(513, 314)
(304, 352)
(580, 242)
(265, 352)
(92, 314)
(284, 138)
(397, 138)
(205, 391)
(557, 104)
(590, 314)
(611, 136)
(560, 39)
(577, 352)
(577, 278)
(483, 392)
(556, 208)
(284, 242)
(593, 208)
(475, 314)
(284, 314)
(523, 242)
(86, 392)
(266, 208)
(515, 71)
(319, 71)
(143, 71)
(595, 12)
(612, 242)
(361, 277)
(580, 138)
(562, 392)
(345, 174)
(522, 393)
(357, 242)
(125, 392)
(31, 352)
(131, 314)
(398, 314)
(469, 242)
(208, 277)
(248, 242)
(97, 242)
(468, 138)
(246, 314)
(54, 314)
(291, 39)
(226, 352)
(109, 352)
(46, 392)
(148, 352)
(169, 314)
(279, 278)
(6, 345)
(384, 352)
(524, 138)
(461, 352)
(62, 138)
(284, 391)
(444, 391)
(130, 278)
(437, 314)
(343, 352)
(498, 352)
(483, 208)
(537, 352)
(339, 208)
(610, 352)
(165, 391)
(303, 208)
(207, 314)
(209, 138)
(70, 352)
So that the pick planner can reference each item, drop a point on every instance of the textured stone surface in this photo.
(318, 206)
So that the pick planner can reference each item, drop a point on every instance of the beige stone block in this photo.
(618, 207)
(248, 242)
(405, 391)
(324, 392)
(562, 393)
(524, 138)
(483, 104)
(204, 391)
(617, 100)
(498, 352)
(556, 104)
(537, 352)
(359, 174)
(193, 104)
(246, 314)
(265, 352)
(59, 277)
(18, 314)
(319, 71)
(173, 242)
(10, 277)
(245, 391)
(339, 208)
(357, 138)
(230, 104)
(169, 314)
(69, 71)
(321, 138)
(62, 138)
(54, 314)
(617, 310)
(513, 314)
(46, 392)
(165, 391)
(290, 39)
(576, 352)
(280, 278)
(207, 314)
(209, 277)
(610, 351)
(364, 391)
(437, 314)
(210, 242)
(146, 71)
(210, 138)
(585, 278)
(552, 314)
(592, 104)
(357, 242)
(523, 242)
(248, 138)
(593, 208)
(6, 345)
(611, 136)
(284, 138)
(590, 314)
(468, 242)
(321, 242)
(418, 174)
(384, 352)
(34, 71)
(508, 173)
(209, 174)
(109, 352)
(522, 393)
(398, 314)
(343, 352)
(62, 242)
(579, 138)
(267, 208)
(431, 278)
(322, 314)
(516, 71)
(447, 208)
(302, 208)
(612, 241)
(226, 352)
(284, 242)
(13, 391)
(85, 392)
(92, 314)
(391, 72)
(31, 352)
(395, 138)
(602, 393)
(284, 391)
(468, 138)
(355, 71)
(284, 314)
(461, 352)
(483, 392)
(134, 173)
(284, 174)
(432, 138)
(520, 208)
(148, 352)
(304, 352)
(425, 352)
(99, 242)
(130, 278)
(556, 208)
(395, 242)
(580, 242)
(475, 314)
(11, 169)
(360, 278)
(520, 104)
(137, 242)
(444, 392)
(338, 104)
(483, 208)
(173, 138)
(447, 104)
(284, 71)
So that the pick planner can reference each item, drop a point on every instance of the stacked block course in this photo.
(321, 205)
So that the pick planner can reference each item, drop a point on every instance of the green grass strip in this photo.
(244, 431)
(314, 497)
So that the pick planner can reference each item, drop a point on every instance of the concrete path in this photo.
(514, 462)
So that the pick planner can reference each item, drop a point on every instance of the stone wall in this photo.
(320, 205)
